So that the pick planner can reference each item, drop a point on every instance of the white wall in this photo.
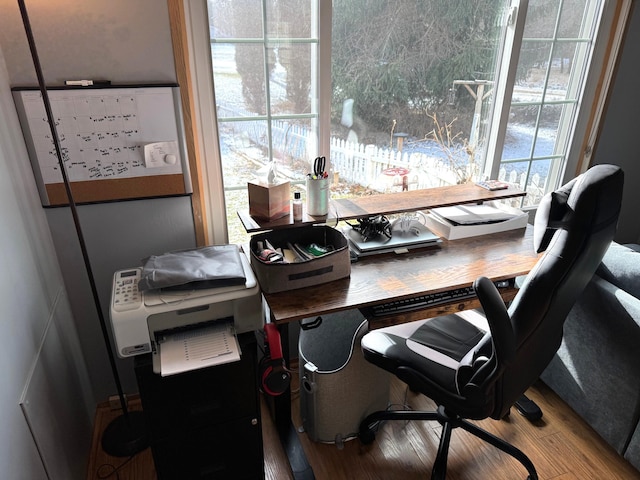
(31, 297)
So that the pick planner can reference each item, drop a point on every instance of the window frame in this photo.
(196, 79)
(583, 123)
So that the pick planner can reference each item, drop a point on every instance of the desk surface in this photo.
(388, 203)
(381, 278)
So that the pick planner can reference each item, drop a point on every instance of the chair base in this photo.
(448, 422)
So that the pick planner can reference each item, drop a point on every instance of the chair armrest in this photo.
(497, 316)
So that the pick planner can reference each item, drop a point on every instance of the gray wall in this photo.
(118, 40)
(43, 369)
(618, 139)
(118, 236)
(126, 42)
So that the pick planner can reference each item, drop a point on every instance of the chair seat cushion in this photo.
(437, 348)
(450, 335)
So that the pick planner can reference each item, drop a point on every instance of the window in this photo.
(265, 62)
(493, 88)
(412, 90)
(554, 57)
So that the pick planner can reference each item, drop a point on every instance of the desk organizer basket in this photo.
(279, 277)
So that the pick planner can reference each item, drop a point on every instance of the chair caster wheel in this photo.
(367, 436)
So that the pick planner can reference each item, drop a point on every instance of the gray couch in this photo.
(597, 369)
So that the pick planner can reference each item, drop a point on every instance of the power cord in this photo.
(113, 470)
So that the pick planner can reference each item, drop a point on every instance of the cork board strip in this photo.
(117, 189)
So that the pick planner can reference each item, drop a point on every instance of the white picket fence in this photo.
(369, 166)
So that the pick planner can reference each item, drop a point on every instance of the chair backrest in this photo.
(575, 225)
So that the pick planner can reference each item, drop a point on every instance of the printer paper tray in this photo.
(198, 347)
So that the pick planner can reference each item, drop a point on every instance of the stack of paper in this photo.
(472, 214)
(186, 350)
(471, 220)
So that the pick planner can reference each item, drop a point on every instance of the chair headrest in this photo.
(576, 201)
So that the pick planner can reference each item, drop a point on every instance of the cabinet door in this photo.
(230, 450)
(205, 423)
(204, 396)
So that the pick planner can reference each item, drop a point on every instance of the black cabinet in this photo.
(205, 424)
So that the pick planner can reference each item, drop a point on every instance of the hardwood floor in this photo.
(561, 446)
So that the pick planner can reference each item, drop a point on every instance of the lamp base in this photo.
(126, 435)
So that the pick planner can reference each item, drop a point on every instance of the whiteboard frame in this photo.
(110, 188)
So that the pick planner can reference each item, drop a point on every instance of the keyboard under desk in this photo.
(428, 306)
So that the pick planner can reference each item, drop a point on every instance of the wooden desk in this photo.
(381, 278)
(387, 204)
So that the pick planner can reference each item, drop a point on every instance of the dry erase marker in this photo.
(86, 83)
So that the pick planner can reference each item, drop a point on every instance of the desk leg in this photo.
(286, 429)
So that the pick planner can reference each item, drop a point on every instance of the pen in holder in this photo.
(317, 196)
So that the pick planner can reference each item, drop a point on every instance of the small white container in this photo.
(297, 207)
(317, 196)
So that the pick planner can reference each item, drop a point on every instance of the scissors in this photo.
(318, 166)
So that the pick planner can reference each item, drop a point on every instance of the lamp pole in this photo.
(126, 435)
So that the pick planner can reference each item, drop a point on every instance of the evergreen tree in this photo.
(399, 57)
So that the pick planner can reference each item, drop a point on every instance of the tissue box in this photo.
(269, 202)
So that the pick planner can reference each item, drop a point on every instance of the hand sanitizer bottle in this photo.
(297, 207)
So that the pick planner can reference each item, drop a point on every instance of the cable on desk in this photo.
(113, 469)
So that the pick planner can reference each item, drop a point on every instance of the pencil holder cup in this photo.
(317, 196)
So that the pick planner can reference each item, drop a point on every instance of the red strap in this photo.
(273, 340)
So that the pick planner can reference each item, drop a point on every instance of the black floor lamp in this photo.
(126, 435)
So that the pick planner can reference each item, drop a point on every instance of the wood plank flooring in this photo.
(561, 446)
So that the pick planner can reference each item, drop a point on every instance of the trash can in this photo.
(338, 387)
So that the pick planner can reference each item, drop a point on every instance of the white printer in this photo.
(141, 319)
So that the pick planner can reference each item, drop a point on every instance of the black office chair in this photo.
(475, 373)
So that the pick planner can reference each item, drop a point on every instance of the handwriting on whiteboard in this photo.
(102, 132)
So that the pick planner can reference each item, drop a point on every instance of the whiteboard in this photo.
(105, 133)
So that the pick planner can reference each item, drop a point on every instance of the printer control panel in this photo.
(126, 295)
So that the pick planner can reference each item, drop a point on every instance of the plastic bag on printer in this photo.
(206, 267)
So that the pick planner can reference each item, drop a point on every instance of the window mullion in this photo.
(267, 86)
(514, 30)
(543, 93)
(322, 77)
(591, 54)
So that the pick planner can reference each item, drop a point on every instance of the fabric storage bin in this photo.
(279, 277)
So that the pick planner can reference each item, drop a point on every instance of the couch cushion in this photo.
(621, 267)
(596, 370)
(632, 454)
(550, 216)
